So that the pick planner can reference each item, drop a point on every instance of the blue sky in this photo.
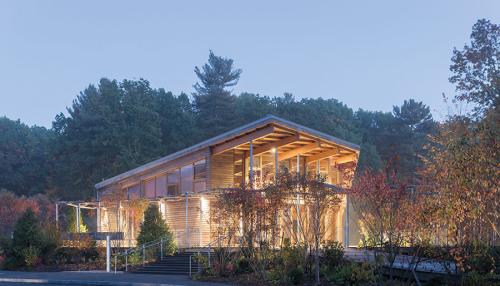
(367, 54)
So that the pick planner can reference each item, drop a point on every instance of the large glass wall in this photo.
(134, 192)
(264, 169)
(173, 180)
(161, 185)
(189, 178)
(149, 188)
(200, 176)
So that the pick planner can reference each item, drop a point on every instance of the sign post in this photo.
(108, 254)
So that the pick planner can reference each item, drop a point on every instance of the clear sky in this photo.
(367, 54)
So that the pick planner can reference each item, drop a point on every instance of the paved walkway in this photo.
(96, 278)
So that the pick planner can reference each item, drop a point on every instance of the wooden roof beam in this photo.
(268, 146)
(298, 151)
(348, 158)
(324, 154)
(243, 139)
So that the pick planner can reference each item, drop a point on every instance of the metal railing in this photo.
(150, 248)
(185, 239)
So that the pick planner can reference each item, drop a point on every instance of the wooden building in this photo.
(181, 183)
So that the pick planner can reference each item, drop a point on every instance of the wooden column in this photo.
(98, 214)
(250, 171)
(243, 171)
(318, 167)
(276, 164)
(346, 227)
(298, 200)
(187, 223)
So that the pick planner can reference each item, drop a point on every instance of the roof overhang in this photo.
(240, 136)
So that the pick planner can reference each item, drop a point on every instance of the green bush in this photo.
(481, 260)
(134, 258)
(31, 256)
(296, 276)
(30, 244)
(154, 228)
(352, 274)
(333, 254)
(243, 266)
(71, 221)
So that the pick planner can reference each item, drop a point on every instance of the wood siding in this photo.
(221, 170)
(198, 229)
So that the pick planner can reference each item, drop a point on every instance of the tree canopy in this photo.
(115, 126)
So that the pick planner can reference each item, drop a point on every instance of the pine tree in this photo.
(71, 221)
(27, 231)
(154, 228)
(213, 102)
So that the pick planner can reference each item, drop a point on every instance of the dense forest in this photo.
(115, 125)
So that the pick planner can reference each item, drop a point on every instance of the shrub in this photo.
(154, 228)
(29, 243)
(481, 259)
(333, 254)
(352, 274)
(31, 256)
(243, 266)
(71, 221)
(134, 258)
(296, 275)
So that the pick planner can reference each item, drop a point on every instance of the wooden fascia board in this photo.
(242, 140)
(345, 159)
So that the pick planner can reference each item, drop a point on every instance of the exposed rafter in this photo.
(324, 154)
(242, 140)
(276, 144)
(300, 150)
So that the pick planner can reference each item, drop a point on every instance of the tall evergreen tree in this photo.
(213, 102)
(24, 157)
(154, 228)
(416, 123)
(109, 130)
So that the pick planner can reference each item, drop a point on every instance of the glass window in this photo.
(149, 188)
(161, 185)
(187, 175)
(134, 192)
(200, 170)
(173, 183)
(284, 165)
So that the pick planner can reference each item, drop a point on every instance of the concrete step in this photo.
(177, 264)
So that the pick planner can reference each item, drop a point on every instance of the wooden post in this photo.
(118, 216)
(298, 201)
(187, 224)
(250, 171)
(346, 227)
(243, 167)
(276, 164)
(98, 214)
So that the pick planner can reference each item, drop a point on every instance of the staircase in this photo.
(177, 264)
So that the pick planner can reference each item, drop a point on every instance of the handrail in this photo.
(142, 248)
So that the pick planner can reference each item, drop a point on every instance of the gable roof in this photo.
(269, 119)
